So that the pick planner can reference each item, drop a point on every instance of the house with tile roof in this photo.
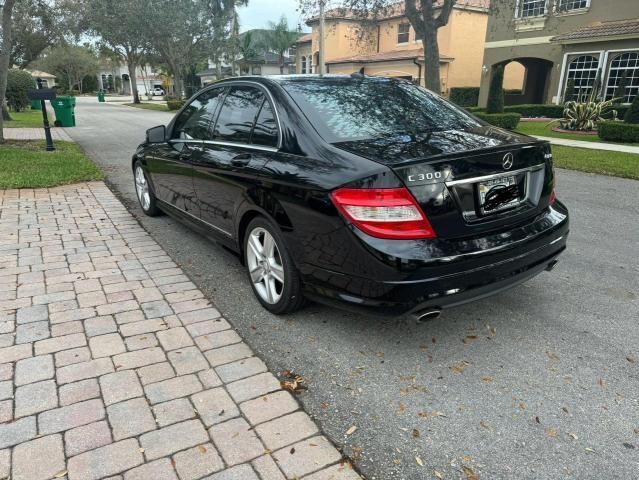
(567, 47)
(386, 45)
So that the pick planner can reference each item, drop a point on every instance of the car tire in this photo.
(271, 271)
(144, 192)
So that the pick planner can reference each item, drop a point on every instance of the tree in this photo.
(122, 27)
(5, 54)
(569, 93)
(70, 63)
(184, 33)
(632, 115)
(247, 46)
(425, 16)
(496, 92)
(19, 82)
(35, 27)
(279, 39)
(622, 85)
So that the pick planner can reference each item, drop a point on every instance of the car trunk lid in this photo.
(468, 182)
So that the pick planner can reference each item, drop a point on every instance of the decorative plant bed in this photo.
(537, 119)
(575, 132)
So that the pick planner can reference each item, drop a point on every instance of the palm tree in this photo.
(279, 39)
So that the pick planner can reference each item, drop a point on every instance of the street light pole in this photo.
(322, 41)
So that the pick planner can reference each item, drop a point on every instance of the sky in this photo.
(259, 12)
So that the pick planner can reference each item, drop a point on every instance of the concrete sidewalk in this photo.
(114, 365)
(610, 147)
(57, 133)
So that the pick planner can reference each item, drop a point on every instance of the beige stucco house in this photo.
(387, 46)
(588, 42)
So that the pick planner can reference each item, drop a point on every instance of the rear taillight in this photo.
(553, 197)
(383, 212)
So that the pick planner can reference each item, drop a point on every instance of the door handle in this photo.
(241, 160)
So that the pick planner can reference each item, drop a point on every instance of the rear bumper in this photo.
(443, 282)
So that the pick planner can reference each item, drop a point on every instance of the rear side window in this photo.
(265, 131)
(193, 123)
(236, 119)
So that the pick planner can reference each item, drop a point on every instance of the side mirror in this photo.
(156, 134)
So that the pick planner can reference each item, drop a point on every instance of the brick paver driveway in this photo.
(113, 363)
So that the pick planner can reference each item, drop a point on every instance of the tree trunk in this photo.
(5, 53)
(5, 114)
(134, 83)
(431, 59)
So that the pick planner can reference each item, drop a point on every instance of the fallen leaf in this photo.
(460, 367)
(324, 405)
(202, 449)
(430, 414)
(60, 474)
(470, 474)
(221, 412)
(565, 409)
(402, 407)
(141, 450)
(351, 430)
(537, 420)
(292, 450)
(415, 433)
(485, 425)
(419, 461)
(522, 406)
(550, 432)
(470, 338)
(438, 474)
(573, 436)
(488, 380)
(601, 383)
(396, 461)
(552, 356)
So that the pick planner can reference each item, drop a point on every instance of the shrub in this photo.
(618, 132)
(508, 121)
(475, 109)
(174, 103)
(621, 110)
(632, 115)
(496, 92)
(18, 84)
(464, 96)
(533, 110)
(584, 116)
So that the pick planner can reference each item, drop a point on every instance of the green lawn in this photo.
(26, 164)
(542, 129)
(161, 107)
(28, 118)
(616, 164)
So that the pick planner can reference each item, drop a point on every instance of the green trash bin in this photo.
(36, 105)
(100, 96)
(64, 108)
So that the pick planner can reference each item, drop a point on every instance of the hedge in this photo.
(19, 82)
(618, 132)
(508, 121)
(464, 96)
(532, 110)
(174, 104)
(529, 111)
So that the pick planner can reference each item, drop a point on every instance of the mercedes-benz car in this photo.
(367, 193)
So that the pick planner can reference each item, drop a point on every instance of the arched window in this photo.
(624, 66)
(303, 64)
(583, 71)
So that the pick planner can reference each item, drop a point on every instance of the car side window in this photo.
(237, 116)
(193, 122)
(265, 131)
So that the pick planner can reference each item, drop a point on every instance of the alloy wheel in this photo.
(142, 188)
(265, 265)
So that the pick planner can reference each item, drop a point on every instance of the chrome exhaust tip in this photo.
(427, 315)
(552, 265)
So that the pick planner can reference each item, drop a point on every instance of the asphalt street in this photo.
(540, 382)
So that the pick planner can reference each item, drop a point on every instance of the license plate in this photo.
(496, 185)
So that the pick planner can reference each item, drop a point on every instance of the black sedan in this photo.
(367, 193)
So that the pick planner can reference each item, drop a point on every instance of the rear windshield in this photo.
(350, 109)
